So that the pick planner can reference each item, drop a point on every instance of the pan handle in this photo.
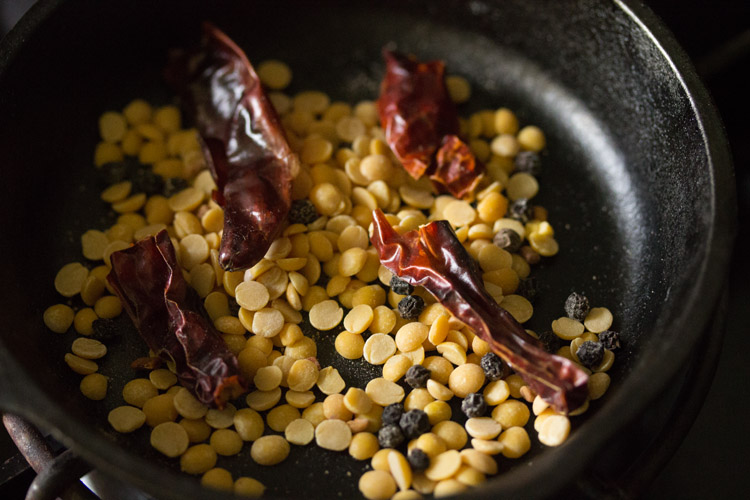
(57, 476)
(60, 479)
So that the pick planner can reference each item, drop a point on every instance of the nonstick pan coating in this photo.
(637, 183)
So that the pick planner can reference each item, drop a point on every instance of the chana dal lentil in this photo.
(325, 272)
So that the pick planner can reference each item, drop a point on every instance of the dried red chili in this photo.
(169, 316)
(244, 143)
(457, 170)
(419, 119)
(432, 256)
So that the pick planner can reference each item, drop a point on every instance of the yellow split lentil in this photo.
(269, 450)
(160, 409)
(226, 442)
(218, 478)
(515, 441)
(83, 322)
(187, 405)
(377, 485)
(170, 438)
(126, 419)
(198, 459)
(491, 447)
(80, 365)
(94, 386)
(59, 317)
(299, 431)
(379, 348)
(275, 74)
(248, 487)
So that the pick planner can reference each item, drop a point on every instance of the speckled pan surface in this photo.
(638, 181)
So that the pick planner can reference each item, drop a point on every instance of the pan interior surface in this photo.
(627, 182)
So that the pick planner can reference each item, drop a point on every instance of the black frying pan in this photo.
(638, 183)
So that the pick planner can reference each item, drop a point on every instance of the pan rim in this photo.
(708, 282)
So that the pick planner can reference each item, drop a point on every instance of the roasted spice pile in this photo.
(323, 269)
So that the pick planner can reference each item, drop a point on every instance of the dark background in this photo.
(712, 461)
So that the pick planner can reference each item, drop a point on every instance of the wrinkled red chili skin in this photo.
(432, 256)
(420, 119)
(415, 110)
(457, 170)
(244, 144)
(169, 316)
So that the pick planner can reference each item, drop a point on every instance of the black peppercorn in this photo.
(411, 306)
(302, 212)
(528, 162)
(610, 339)
(390, 436)
(493, 366)
(400, 286)
(590, 353)
(550, 341)
(521, 210)
(414, 423)
(508, 239)
(392, 414)
(418, 459)
(417, 376)
(474, 405)
(577, 306)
